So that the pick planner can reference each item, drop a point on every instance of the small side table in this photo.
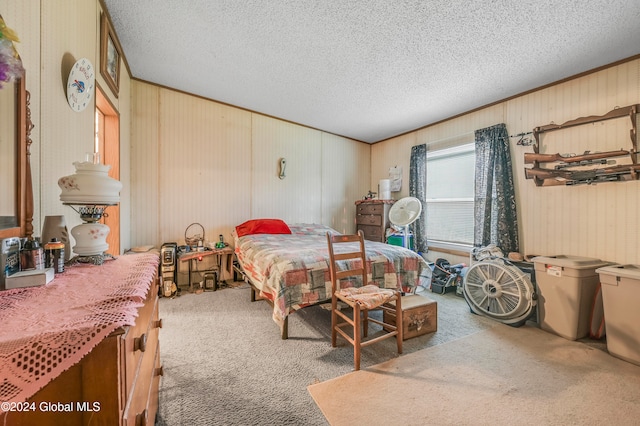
(223, 257)
(224, 261)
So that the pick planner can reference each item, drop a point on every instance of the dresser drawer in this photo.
(370, 209)
(371, 233)
(369, 219)
(140, 395)
(152, 407)
(137, 335)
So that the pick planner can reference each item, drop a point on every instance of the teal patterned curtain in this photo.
(496, 221)
(418, 189)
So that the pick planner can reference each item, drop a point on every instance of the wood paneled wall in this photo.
(297, 197)
(184, 159)
(53, 35)
(195, 160)
(598, 221)
(346, 173)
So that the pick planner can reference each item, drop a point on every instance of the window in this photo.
(450, 194)
(98, 145)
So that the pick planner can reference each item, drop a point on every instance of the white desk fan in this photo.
(403, 213)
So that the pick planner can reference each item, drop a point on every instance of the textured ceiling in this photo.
(369, 69)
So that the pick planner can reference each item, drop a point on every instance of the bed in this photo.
(287, 264)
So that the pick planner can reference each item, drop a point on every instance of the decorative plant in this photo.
(10, 63)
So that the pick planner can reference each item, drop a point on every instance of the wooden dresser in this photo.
(116, 383)
(372, 217)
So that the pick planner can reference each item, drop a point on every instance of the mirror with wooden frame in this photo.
(16, 191)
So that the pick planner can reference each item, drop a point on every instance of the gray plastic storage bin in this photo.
(621, 300)
(566, 290)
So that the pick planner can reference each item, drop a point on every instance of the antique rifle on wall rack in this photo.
(583, 163)
(530, 157)
(573, 177)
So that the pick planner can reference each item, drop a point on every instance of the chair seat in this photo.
(368, 297)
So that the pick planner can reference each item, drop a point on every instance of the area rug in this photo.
(497, 376)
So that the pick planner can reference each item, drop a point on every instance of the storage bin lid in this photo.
(625, 271)
(567, 261)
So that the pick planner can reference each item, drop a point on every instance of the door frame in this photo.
(108, 136)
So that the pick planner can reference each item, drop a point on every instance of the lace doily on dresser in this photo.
(46, 330)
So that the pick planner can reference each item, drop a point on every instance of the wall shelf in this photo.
(630, 111)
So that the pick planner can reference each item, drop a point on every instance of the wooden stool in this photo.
(419, 316)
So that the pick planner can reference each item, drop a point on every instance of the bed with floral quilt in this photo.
(288, 265)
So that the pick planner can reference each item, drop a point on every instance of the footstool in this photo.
(419, 316)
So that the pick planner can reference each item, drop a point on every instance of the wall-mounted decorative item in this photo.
(564, 172)
(395, 177)
(80, 84)
(110, 53)
(283, 166)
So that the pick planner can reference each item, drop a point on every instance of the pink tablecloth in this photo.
(46, 330)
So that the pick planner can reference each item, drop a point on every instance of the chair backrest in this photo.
(353, 262)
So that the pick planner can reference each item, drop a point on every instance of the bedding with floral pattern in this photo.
(292, 270)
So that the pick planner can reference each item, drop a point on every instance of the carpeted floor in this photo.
(225, 364)
(498, 376)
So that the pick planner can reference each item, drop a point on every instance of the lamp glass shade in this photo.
(90, 184)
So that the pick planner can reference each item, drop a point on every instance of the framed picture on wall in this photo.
(110, 53)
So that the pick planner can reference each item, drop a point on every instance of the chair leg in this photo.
(356, 337)
(334, 320)
(365, 323)
(399, 324)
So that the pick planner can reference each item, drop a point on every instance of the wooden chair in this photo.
(348, 265)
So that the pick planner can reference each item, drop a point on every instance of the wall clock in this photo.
(80, 84)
